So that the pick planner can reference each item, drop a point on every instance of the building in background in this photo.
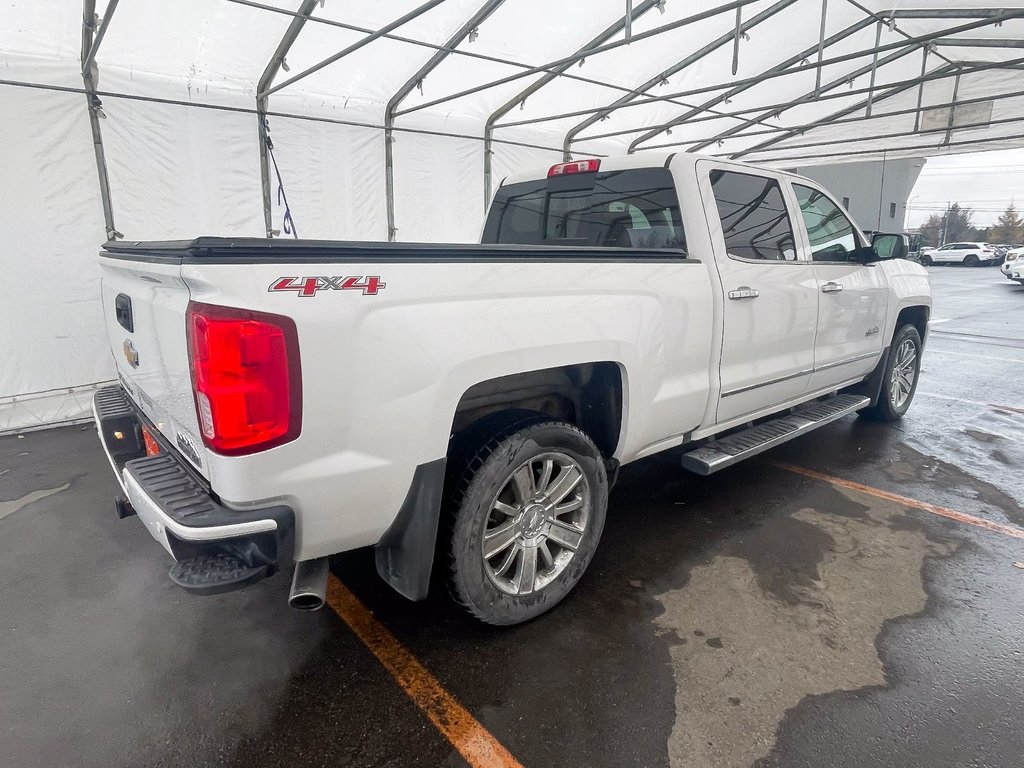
(875, 192)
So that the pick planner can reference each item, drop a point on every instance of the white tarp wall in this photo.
(178, 82)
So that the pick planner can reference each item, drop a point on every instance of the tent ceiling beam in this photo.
(607, 34)
(855, 119)
(471, 24)
(269, 73)
(899, 134)
(917, 41)
(405, 19)
(810, 96)
(1016, 138)
(663, 76)
(947, 69)
(751, 82)
(904, 46)
(549, 66)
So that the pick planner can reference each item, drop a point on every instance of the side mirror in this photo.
(866, 254)
(889, 246)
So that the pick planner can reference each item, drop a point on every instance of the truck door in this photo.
(851, 309)
(770, 296)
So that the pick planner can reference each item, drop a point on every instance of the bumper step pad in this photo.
(719, 454)
(213, 573)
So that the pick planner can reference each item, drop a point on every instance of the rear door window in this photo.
(755, 221)
(636, 208)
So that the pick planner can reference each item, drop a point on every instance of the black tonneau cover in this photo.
(254, 250)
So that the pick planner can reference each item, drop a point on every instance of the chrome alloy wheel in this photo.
(536, 523)
(904, 371)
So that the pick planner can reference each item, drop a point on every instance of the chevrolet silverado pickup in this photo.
(464, 409)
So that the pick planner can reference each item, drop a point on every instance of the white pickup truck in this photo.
(281, 401)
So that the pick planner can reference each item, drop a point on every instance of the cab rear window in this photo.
(636, 208)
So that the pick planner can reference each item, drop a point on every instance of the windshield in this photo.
(636, 208)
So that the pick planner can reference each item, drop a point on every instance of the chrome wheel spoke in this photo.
(545, 475)
(569, 506)
(505, 509)
(565, 535)
(506, 563)
(527, 575)
(522, 480)
(567, 481)
(498, 539)
(545, 555)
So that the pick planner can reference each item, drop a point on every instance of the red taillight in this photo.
(245, 376)
(576, 166)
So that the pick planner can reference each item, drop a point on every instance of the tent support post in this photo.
(485, 10)
(736, 40)
(90, 75)
(262, 103)
(521, 97)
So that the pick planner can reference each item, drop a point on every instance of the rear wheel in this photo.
(971, 260)
(899, 380)
(926, 261)
(529, 512)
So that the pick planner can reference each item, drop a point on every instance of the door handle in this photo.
(744, 292)
(831, 287)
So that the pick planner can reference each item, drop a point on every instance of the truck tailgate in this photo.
(144, 303)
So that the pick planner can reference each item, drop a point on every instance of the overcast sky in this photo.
(984, 181)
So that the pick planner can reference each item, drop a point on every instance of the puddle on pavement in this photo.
(10, 507)
(769, 625)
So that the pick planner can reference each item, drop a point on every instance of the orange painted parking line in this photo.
(474, 742)
(952, 514)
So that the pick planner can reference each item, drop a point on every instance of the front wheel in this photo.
(971, 260)
(529, 513)
(899, 379)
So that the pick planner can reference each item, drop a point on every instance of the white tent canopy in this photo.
(161, 137)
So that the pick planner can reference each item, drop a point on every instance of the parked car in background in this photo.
(1014, 258)
(968, 254)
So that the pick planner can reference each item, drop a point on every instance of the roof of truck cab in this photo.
(648, 160)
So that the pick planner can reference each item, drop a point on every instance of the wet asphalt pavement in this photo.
(757, 617)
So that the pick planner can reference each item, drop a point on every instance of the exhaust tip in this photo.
(309, 585)
(305, 602)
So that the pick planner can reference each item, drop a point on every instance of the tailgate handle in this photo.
(123, 312)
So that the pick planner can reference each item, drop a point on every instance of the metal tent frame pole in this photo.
(988, 19)
(663, 76)
(781, 67)
(460, 34)
(262, 103)
(861, 118)
(91, 39)
(609, 32)
(415, 12)
(549, 66)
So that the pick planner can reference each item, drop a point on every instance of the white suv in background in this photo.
(1014, 258)
(969, 254)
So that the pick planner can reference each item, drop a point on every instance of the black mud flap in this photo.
(405, 554)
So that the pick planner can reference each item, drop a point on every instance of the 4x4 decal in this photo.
(306, 287)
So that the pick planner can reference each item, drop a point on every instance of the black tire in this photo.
(891, 407)
(474, 580)
(926, 261)
(971, 260)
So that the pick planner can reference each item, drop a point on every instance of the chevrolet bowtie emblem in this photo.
(131, 354)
